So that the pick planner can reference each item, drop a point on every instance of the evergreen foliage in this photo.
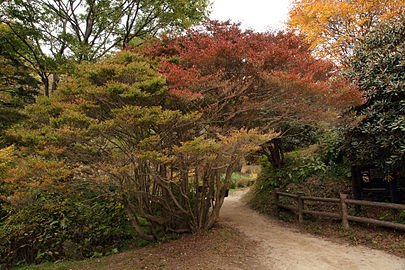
(377, 67)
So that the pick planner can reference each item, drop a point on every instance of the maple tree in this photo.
(248, 79)
(46, 215)
(114, 124)
(332, 26)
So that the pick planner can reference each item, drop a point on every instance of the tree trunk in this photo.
(55, 81)
(45, 82)
(274, 153)
(133, 219)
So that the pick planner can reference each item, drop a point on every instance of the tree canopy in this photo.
(114, 124)
(377, 66)
(248, 79)
(18, 86)
(153, 133)
(60, 31)
(332, 26)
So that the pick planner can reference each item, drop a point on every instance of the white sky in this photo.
(258, 15)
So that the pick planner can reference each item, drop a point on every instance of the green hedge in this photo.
(64, 226)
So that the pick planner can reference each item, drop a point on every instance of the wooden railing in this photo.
(343, 202)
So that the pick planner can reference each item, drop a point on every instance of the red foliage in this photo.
(237, 72)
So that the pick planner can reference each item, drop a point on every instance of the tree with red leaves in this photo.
(248, 79)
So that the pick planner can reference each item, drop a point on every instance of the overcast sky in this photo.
(259, 15)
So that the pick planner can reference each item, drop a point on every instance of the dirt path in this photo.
(282, 248)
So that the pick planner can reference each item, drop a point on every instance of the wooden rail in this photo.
(343, 202)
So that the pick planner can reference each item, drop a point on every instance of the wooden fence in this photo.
(343, 202)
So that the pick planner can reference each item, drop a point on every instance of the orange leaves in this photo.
(50, 151)
(237, 76)
(25, 173)
(185, 94)
(332, 26)
(343, 95)
(188, 83)
(36, 172)
(222, 151)
(246, 141)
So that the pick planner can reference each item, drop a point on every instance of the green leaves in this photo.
(77, 30)
(111, 126)
(377, 66)
(18, 87)
(52, 35)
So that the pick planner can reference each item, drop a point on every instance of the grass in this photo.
(242, 180)
(54, 265)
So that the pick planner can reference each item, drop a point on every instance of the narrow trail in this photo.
(280, 248)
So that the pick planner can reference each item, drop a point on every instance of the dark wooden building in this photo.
(368, 180)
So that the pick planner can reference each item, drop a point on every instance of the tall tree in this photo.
(114, 118)
(17, 85)
(377, 66)
(76, 30)
(247, 79)
(332, 26)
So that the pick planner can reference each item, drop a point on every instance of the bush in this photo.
(57, 227)
(241, 180)
(318, 170)
(377, 67)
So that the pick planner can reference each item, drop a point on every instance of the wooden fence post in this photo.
(276, 197)
(300, 207)
(343, 207)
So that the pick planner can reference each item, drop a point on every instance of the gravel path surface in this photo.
(281, 248)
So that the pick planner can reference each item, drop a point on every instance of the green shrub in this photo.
(402, 216)
(57, 227)
(317, 170)
(241, 180)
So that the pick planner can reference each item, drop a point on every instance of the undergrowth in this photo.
(308, 170)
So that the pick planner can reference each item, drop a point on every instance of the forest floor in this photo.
(244, 239)
(223, 247)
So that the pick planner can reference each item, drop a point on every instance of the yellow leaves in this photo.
(331, 26)
(6, 155)
(244, 136)
(151, 141)
(244, 141)
(50, 150)
(156, 156)
(223, 150)
(36, 172)
(198, 145)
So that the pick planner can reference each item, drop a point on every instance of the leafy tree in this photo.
(377, 66)
(247, 79)
(333, 26)
(46, 215)
(113, 123)
(17, 85)
(59, 31)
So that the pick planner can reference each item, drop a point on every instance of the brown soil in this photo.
(245, 239)
(221, 248)
(283, 247)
